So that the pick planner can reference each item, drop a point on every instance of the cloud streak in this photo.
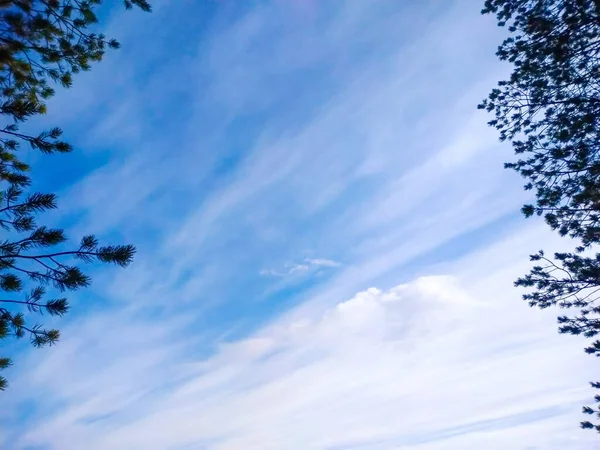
(306, 266)
(422, 365)
(345, 129)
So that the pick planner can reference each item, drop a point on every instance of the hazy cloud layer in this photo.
(327, 243)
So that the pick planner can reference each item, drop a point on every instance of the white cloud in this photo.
(390, 165)
(423, 365)
(323, 262)
(307, 266)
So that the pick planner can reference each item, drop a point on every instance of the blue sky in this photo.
(327, 241)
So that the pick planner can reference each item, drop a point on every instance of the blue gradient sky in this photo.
(327, 241)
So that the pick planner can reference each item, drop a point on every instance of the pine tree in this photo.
(569, 280)
(549, 109)
(42, 44)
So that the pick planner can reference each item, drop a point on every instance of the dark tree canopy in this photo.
(44, 41)
(569, 280)
(549, 109)
(42, 44)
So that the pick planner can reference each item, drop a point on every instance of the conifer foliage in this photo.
(43, 43)
(549, 109)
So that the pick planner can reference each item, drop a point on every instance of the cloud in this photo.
(323, 262)
(271, 129)
(424, 365)
(308, 265)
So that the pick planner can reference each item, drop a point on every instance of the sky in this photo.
(326, 238)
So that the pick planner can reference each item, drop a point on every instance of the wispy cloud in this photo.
(323, 262)
(426, 364)
(306, 266)
(344, 128)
